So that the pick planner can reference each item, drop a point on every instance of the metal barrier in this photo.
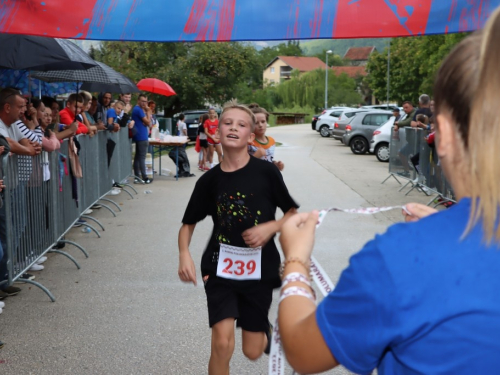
(42, 200)
(414, 160)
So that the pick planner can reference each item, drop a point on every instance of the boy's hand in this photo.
(418, 211)
(297, 235)
(280, 165)
(260, 234)
(187, 270)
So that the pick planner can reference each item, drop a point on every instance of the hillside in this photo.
(340, 46)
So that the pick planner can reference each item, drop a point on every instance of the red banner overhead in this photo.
(224, 20)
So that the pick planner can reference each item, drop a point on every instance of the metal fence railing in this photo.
(414, 160)
(42, 200)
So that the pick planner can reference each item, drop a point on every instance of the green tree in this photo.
(333, 59)
(200, 73)
(414, 62)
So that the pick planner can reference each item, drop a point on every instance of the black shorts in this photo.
(203, 143)
(246, 301)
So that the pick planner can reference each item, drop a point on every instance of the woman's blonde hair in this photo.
(466, 88)
(233, 104)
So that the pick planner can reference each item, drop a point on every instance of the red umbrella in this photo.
(155, 86)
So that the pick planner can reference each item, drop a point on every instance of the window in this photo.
(376, 120)
(351, 114)
(272, 70)
(336, 114)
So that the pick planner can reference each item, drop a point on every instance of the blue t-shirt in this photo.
(142, 133)
(418, 300)
(111, 114)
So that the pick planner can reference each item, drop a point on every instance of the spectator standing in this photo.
(104, 103)
(424, 109)
(211, 126)
(181, 126)
(203, 144)
(141, 115)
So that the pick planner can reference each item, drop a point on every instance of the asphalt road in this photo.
(126, 312)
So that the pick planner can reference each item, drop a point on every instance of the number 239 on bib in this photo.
(239, 263)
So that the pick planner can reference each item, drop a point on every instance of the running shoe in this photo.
(10, 291)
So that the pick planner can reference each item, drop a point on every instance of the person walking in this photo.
(418, 307)
(141, 115)
(241, 194)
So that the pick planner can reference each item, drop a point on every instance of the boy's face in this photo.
(260, 124)
(75, 107)
(118, 108)
(235, 129)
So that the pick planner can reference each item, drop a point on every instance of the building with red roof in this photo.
(358, 56)
(280, 68)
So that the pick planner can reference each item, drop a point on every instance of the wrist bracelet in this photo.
(296, 291)
(293, 260)
(296, 277)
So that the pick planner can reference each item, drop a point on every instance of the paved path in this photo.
(126, 312)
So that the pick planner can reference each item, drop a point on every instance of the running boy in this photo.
(240, 263)
(263, 147)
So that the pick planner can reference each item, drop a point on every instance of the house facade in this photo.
(281, 67)
(358, 56)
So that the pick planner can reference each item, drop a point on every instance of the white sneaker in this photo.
(114, 191)
(36, 267)
(41, 260)
(2, 304)
(88, 212)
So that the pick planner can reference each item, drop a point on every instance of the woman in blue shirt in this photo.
(419, 307)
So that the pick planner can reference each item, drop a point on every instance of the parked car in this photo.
(191, 118)
(325, 122)
(359, 131)
(314, 121)
(338, 129)
(379, 145)
(384, 107)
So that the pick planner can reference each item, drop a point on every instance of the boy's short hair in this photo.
(423, 119)
(258, 109)
(181, 116)
(121, 102)
(233, 104)
(73, 98)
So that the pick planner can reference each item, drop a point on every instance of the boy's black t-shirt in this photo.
(238, 201)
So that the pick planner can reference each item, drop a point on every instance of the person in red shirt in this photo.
(73, 108)
(211, 125)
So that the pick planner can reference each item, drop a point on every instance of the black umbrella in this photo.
(39, 53)
(98, 78)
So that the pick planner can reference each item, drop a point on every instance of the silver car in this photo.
(346, 117)
(359, 131)
(327, 119)
(379, 145)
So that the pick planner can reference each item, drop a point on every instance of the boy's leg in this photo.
(253, 303)
(254, 344)
(222, 347)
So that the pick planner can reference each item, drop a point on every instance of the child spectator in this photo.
(211, 125)
(203, 144)
(73, 108)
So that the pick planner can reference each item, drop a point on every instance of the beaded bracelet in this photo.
(296, 277)
(293, 260)
(296, 291)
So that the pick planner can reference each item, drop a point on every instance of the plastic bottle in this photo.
(86, 230)
(162, 135)
(168, 132)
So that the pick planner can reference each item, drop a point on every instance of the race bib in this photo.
(239, 263)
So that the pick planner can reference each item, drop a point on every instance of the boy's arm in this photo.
(187, 270)
(262, 233)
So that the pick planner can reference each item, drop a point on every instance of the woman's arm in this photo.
(303, 343)
(50, 144)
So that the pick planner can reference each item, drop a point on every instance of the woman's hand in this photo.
(297, 235)
(417, 211)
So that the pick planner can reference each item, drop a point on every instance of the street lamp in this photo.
(326, 78)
